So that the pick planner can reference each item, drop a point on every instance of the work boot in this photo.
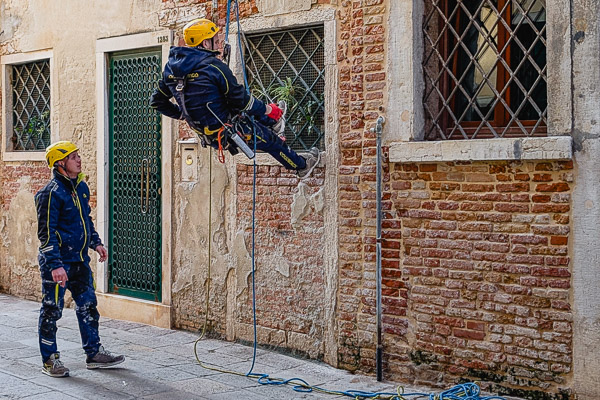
(54, 367)
(312, 160)
(279, 127)
(103, 359)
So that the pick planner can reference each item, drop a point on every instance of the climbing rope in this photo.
(464, 391)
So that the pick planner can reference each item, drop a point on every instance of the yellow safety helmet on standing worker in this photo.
(195, 31)
(59, 150)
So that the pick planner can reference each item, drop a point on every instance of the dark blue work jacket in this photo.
(65, 228)
(209, 83)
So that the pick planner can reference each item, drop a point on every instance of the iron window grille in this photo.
(485, 68)
(290, 65)
(30, 85)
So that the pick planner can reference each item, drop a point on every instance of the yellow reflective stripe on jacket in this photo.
(78, 204)
(48, 220)
(80, 177)
(226, 81)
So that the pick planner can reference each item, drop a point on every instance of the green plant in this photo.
(288, 91)
(35, 131)
(36, 126)
(300, 114)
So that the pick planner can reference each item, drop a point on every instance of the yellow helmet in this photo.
(194, 32)
(59, 150)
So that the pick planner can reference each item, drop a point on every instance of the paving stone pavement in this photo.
(160, 364)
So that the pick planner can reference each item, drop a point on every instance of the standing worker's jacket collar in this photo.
(65, 228)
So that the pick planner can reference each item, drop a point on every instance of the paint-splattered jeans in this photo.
(81, 285)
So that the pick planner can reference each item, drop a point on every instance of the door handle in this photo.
(144, 176)
(147, 184)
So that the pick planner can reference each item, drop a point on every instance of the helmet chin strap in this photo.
(61, 169)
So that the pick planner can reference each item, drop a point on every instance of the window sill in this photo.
(546, 148)
(24, 156)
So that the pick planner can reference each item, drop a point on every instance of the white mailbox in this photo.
(189, 159)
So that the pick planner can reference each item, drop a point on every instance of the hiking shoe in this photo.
(279, 127)
(54, 367)
(312, 160)
(103, 359)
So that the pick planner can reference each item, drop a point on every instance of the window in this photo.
(485, 68)
(290, 65)
(30, 110)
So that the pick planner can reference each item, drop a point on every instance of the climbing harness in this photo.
(228, 136)
(234, 132)
(465, 391)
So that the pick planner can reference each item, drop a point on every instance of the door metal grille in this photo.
(485, 68)
(31, 105)
(290, 65)
(135, 176)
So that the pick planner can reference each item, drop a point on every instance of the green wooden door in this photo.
(134, 176)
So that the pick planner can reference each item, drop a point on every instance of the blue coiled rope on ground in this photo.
(464, 391)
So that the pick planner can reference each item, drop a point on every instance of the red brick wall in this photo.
(26, 283)
(11, 173)
(362, 80)
(294, 303)
(476, 276)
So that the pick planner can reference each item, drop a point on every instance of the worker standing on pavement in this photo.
(66, 232)
(210, 100)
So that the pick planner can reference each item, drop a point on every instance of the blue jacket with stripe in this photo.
(65, 227)
(209, 81)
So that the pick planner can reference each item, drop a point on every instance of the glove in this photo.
(275, 113)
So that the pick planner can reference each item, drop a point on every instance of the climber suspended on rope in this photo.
(221, 111)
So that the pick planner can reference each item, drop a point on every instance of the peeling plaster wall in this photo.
(69, 29)
(289, 273)
(192, 212)
(18, 236)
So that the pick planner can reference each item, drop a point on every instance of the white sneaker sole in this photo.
(103, 365)
(55, 375)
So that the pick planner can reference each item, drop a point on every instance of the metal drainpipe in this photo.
(379, 351)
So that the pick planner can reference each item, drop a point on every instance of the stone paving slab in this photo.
(160, 364)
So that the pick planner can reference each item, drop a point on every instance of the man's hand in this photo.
(59, 275)
(102, 252)
(273, 111)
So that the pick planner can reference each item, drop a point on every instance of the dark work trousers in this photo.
(81, 285)
(269, 142)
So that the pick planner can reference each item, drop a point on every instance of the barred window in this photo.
(290, 65)
(485, 68)
(30, 89)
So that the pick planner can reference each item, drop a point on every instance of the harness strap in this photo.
(179, 94)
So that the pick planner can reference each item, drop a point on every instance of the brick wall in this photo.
(12, 173)
(23, 280)
(475, 256)
(362, 80)
(476, 277)
(290, 296)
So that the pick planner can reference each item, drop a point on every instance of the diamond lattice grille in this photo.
(135, 176)
(290, 65)
(30, 85)
(485, 68)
